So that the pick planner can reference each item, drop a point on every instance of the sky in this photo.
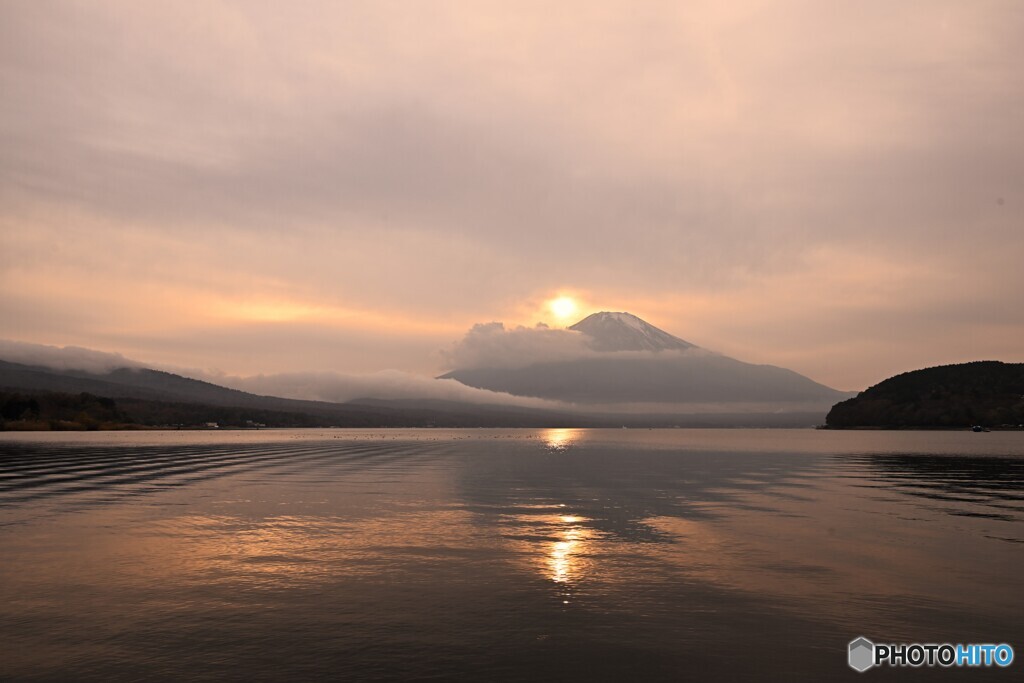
(254, 187)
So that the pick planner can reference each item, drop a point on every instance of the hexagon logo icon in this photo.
(862, 654)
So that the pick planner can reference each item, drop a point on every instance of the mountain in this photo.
(635, 362)
(626, 332)
(987, 393)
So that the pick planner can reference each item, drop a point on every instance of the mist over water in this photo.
(502, 554)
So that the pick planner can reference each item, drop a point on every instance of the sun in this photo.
(563, 307)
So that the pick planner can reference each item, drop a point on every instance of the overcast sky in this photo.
(834, 187)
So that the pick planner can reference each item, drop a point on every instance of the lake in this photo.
(520, 555)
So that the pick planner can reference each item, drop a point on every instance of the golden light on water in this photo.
(559, 546)
(561, 558)
(565, 561)
(560, 439)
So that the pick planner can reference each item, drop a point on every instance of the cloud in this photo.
(384, 385)
(492, 345)
(63, 358)
(439, 163)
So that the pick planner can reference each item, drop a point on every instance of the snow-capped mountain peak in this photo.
(619, 331)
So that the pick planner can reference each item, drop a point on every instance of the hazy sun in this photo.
(563, 307)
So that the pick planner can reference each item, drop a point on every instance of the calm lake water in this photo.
(504, 554)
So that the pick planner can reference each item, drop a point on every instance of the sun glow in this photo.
(563, 307)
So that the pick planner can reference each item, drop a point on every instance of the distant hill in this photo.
(152, 397)
(635, 362)
(988, 393)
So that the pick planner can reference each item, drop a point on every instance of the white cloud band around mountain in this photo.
(63, 357)
(494, 345)
(383, 385)
(319, 386)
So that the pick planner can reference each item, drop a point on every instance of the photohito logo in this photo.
(863, 654)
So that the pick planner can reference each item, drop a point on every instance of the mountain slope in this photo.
(677, 379)
(138, 383)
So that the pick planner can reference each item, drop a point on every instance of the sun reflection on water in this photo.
(567, 557)
(558, 440)
(560, 559)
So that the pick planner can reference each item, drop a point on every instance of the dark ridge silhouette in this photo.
(982, 393)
